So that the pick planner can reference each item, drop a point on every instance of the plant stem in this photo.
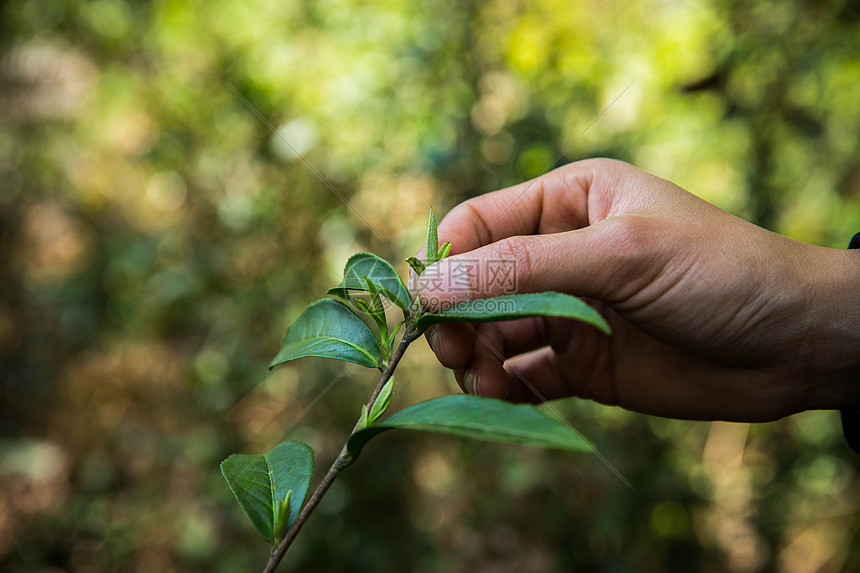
(342, 461)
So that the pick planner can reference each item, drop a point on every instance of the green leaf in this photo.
(432, 241)
(510, 307)
(377, 270)
(263, 483)
(444, 250)
(382, 401)
(282, 512)
(377, 308)
(364, 306)
(362, 419)
(481, 419)
(374, 297)
(329, 329)
(416, 265)
(393, 334)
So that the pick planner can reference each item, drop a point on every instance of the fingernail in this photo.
(471, 382)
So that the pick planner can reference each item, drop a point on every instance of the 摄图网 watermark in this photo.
(474, 278)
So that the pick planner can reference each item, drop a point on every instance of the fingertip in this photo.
(455, 345)
(444, 284)
(488, 380)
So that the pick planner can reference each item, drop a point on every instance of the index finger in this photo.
(554, 202)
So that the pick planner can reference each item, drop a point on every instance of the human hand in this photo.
(712, 316)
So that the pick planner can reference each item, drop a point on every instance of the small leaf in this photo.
(432, 241)
(261, 482)
(364, 306)
(282, 512)
(377, 270)
(382, 401)
(362, 419)
(329, 329)
(378, 311)
(444, 250)
(393, 334)
(510, 307)
(416, 265)
(374, 297)
(481, 419)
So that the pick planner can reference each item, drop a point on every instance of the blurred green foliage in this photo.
(156, 238)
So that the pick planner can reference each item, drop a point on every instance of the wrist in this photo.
(833, 335)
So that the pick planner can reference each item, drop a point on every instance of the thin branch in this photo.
(342, 461)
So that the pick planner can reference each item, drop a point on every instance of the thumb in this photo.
(597, 261)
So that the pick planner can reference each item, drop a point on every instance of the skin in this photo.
(712, 316)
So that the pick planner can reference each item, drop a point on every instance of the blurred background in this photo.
(156, 239)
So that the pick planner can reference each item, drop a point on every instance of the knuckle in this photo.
(631, 234)
(471, 210)
(603, 164)
(519, 253)
(632, 258)
(607, 163)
